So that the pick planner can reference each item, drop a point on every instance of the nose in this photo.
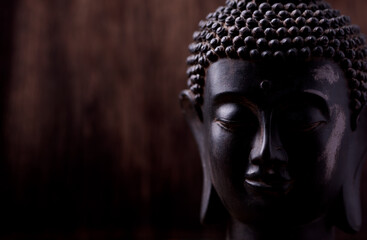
(267, 148)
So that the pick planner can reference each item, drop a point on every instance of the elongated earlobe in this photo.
(349, 213)
(212, 210)
(348, 209)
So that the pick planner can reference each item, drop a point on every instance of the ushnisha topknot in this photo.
(259, 30)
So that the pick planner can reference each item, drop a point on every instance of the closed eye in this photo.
(307, 127)
(234, 117)
(231, 125)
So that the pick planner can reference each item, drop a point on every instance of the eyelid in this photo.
(312, 98)
(234, 113)
(233, 124)
(225, 120)
(312, 126)
(235, 98)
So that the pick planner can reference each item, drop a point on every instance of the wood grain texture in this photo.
(93, 144)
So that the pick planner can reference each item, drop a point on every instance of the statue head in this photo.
(276, 100)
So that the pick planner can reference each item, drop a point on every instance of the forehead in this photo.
(319, 76)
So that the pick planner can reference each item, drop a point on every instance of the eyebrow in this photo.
(311, 96)
(235, 97)
(317, 93)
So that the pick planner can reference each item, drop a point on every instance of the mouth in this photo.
(276, 182)
(278, 186)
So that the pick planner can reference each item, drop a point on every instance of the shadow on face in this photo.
(276, 138)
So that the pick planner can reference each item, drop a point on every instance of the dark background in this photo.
(93, 144)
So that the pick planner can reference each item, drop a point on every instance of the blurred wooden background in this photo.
(93, 144)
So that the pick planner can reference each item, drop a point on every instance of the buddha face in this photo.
(275, 138)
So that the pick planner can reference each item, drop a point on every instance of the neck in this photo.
(316, 230)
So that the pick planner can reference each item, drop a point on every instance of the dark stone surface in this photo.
(93, 144)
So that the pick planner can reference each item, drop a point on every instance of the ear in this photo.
(355, 119)
(351, 219)
(349, 212)
(193, 115)
(212, 209)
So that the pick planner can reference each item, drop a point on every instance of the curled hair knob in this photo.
(270, 33)
(274, 44)
(276, 23)
(258, 32)
(270, 15)
(246, 14)
(238, 41)
(264, 23)
(266, 55)
(307, 13)
(290, 7)
(262, 43)
(233, 31)
(264, 7)
(250, 41)
(283, 14)
(305, 52)
(240, 22)
(330, 52)
(292, 53)
(318, 51)
(282, 32)
(277, 7)
(212, 56)
(279, 55)
(251, 23)
(255, 54)
(245, 32)
(243, 52)
(258, 15)
(289, 22)
(265, 85)
(305, 31)
(251, 6)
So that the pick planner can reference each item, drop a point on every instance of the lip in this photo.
(278, 186)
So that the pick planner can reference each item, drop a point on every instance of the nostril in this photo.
(256, 161)
(270, 171)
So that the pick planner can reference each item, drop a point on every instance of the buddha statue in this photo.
(276, 104)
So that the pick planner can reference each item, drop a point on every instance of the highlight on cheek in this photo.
(331, 152)
(217, 136)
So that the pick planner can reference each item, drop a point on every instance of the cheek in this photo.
(334, 156)
(315, 158)
(229, 153)
(304, 152)
(306, 160)
(220, 144)
(332, 149)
